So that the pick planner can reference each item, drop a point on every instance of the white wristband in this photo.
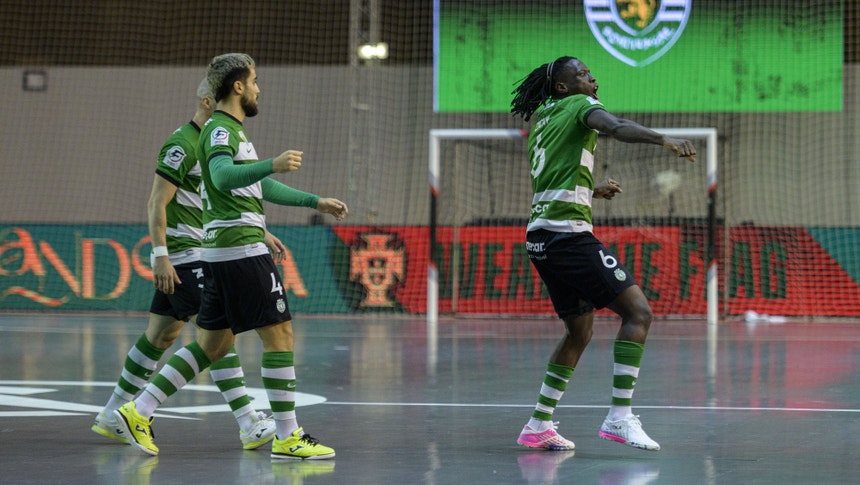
(159, 251)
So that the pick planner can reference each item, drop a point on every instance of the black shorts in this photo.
(242, 295)
(184, 303)
(580, 273)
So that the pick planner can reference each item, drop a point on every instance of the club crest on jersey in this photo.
(220, 136)
(174, 157)
(637, 32)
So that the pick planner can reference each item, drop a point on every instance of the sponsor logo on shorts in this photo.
(535, 247)
(536, 251)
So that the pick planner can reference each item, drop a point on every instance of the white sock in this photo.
(246, 421)
(539, 425)
(619, 412)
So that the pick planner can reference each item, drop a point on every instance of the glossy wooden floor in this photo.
(745, 403)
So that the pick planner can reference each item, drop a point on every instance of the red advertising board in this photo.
(791, 271)
(485, 270)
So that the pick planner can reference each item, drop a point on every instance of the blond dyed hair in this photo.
(226, 69)
(204, 90)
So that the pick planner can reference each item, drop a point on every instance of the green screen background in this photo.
(737, 56)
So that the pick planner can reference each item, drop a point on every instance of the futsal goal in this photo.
(665, 225)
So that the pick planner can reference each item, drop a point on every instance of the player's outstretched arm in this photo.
(631, 132)
(282, 194)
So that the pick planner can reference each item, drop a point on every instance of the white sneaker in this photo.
(108, 426)
(261, 433)
(629, 432)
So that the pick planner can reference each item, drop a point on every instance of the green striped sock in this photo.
(625, 372)
(182, 366)
(279, 379)
(228, 375)
(140, 363)
(554, 385)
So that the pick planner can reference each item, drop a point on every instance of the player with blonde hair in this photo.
(176, 232)
(243, 289)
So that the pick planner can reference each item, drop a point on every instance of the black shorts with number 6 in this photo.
(580, 273)
(242, 295)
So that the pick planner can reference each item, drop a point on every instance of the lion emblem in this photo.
(637, 32)
(638, 13)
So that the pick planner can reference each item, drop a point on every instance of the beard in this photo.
(249, 106)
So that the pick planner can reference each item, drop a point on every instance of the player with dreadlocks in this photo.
(580, 273)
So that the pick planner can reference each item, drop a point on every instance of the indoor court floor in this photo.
(737, 403)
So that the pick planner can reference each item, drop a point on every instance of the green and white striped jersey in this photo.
(561, 154)
(178, 163)
(233, 220)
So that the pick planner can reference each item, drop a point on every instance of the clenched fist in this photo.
(289, 161)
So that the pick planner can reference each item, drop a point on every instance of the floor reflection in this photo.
(712, 400)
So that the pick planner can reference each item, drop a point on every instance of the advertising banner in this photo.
(647, 55)
(482, 270)
(106, 267)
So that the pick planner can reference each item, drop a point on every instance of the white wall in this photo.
(83, 151)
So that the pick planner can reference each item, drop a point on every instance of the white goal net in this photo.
(664, 226)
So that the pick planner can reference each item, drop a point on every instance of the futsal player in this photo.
(243, 289)
(176, 231)
(580, 273)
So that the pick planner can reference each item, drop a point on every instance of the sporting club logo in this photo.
(637, 32)
(378, 266)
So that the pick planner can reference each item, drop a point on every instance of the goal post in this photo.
(437, 193)
(436, 137)
(710, 137)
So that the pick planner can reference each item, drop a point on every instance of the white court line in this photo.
(310, 399)
(17, 394)
(585, 406)
(36, 414)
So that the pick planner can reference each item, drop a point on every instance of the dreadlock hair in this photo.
(536, 88)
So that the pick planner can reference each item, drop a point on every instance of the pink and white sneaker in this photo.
(629, 432)
(548, 439)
